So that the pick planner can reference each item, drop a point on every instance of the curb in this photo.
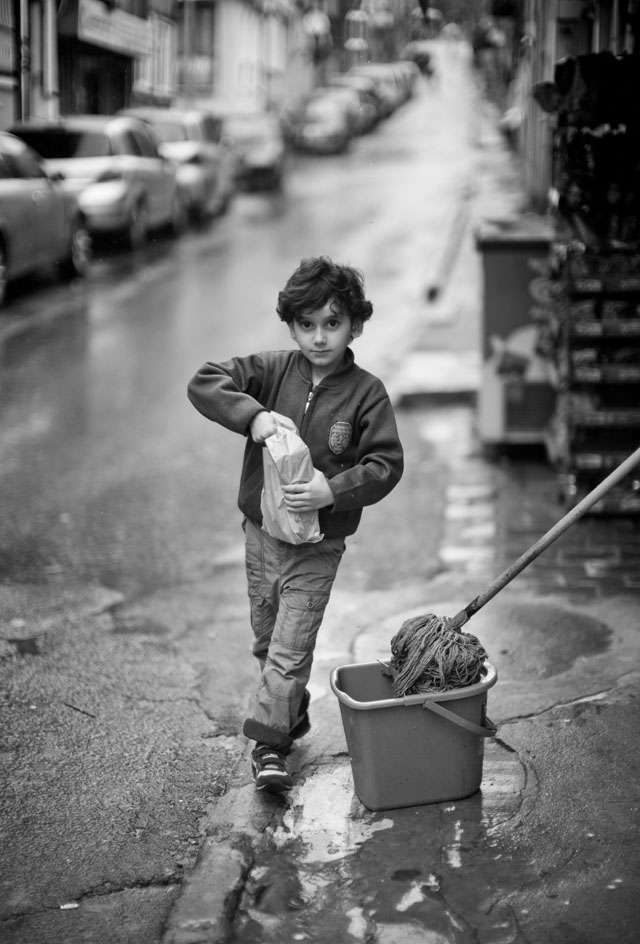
(202, 914)
(208, 898)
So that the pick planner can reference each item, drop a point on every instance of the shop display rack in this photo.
(590, 330)
(595, 348)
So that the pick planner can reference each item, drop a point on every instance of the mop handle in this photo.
(543, 543)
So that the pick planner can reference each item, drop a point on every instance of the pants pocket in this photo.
(300, 617)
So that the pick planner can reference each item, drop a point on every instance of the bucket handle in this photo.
(481, 731)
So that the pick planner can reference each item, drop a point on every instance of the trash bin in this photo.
(413, 750)
(515, 401)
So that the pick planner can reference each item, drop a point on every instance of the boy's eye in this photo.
(309, 325)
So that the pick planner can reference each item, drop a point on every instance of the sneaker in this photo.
(303, 724)
(269, 770)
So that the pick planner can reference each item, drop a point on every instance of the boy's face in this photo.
(323, 336)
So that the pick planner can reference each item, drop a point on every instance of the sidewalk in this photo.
(546, 851)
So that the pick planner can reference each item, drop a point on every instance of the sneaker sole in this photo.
(274, 787)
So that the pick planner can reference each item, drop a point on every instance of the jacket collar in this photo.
(336, 378)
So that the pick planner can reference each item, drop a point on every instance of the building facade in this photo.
(96, 56)
(549, 31)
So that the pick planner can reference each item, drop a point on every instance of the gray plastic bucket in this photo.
(413, 750)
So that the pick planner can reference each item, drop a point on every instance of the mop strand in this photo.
(429, 656)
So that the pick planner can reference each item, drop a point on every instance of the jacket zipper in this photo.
(310, 396)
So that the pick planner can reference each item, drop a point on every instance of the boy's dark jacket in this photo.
(348, 425)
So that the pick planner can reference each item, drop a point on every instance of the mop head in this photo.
(429, 656)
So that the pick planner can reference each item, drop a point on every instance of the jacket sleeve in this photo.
(379, 461)
(228, 393)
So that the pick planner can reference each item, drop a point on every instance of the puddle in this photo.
(409, 934)
(326, 818)
(452, 852)
(333, 871)
(537, 639)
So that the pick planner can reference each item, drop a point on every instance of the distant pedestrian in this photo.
(345, 417)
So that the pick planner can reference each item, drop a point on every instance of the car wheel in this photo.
(78, 259)
(3, 274)
(138, 226)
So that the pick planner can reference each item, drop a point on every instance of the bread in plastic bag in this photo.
(286, 460)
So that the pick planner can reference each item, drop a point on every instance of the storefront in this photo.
(99, 46)
(589, 330)
(562, 363)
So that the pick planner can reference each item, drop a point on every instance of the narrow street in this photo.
(125, 672)
(128, 815)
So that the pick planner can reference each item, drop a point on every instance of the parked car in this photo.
(261, 149)
(41, 223)
(390, 88)
(206, 167)
(370, 104)
(350, 99)
(318, 125)
(114, 167)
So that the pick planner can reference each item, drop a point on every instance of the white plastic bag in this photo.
(286, 460)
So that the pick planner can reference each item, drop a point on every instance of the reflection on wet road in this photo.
(318, 874)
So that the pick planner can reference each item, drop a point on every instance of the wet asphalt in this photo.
(546, 851)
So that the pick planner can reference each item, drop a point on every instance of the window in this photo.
(145, 143)
(56, 143)
(168, 130)
(27, 165)
(7, 171)
(128, 143)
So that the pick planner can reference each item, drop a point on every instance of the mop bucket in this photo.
(418, 749)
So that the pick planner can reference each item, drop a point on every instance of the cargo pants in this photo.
(289, 587)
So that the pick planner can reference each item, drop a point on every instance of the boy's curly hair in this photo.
(319, 280)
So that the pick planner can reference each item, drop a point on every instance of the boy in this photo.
(346, 419)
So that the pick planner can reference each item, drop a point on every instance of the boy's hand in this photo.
(308, 496)
(262, 426)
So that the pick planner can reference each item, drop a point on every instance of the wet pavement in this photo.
(547, 850)
(544, 852)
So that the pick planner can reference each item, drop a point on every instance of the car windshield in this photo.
(168, 130)
(250, 129)
(60, 143)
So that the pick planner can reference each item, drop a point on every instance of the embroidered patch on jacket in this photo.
(340, 436)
